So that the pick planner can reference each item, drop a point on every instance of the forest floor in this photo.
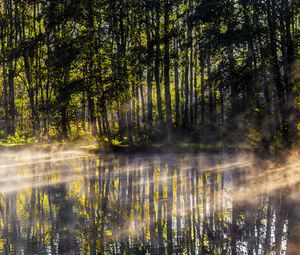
(151, 147)
(176, 146)
(93, 146)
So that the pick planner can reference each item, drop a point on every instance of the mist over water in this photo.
(69, 202)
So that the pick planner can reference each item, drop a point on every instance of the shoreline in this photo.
(176, 147)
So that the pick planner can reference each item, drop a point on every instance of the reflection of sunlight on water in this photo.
(33, 169)
(26, 170)
(111, 198)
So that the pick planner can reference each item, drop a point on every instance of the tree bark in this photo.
(157, 66)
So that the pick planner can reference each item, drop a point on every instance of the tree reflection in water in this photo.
(159, 204)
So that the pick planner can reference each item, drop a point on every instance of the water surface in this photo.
(72, 203)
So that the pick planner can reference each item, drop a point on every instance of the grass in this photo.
(164, 146)
(89, 144)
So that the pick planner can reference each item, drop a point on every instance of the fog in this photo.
(156, 200)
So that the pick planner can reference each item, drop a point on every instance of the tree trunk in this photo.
(157, 67)
(31, 96)
(202, 64)
(149, 77)
(176, 83)
(11, 86)
(271, 14)
(167, 68)
(5, 94)
(210, 91)
(91, 104)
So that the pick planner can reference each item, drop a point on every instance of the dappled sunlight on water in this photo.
(73, 203)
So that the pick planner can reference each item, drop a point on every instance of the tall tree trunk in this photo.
(157, 66)
(271, 16)
(202, 65)
(107, 124)
(210, 91)
(64, 98)
(5, 98)
(195, 107)
(91, 105)
(186, 91)
(167, 67)
(191, 69)
(137, 110)
(176, 83)
(8, 6)
(11, 86)
(31, 96)
(143, 104)
(149, 77)
(286, 20)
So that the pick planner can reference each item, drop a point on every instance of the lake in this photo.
(203, 203)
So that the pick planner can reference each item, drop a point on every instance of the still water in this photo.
(72, 203)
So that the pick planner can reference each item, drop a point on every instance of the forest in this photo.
(149, 127)
(131, 71)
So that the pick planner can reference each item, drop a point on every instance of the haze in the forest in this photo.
(131, 72)
(149, 127)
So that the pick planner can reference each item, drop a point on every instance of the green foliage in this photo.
(132, 71)
(17, 139)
